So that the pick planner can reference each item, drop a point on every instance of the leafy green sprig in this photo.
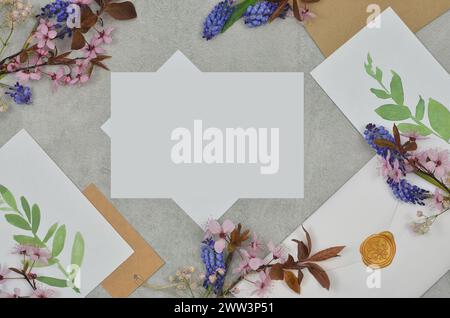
(438, 114)
(29, 220)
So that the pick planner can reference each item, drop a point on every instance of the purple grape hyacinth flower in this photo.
(20, 94)
(259, 14)
(217, 18)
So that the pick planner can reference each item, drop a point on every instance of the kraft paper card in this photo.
(338, 20)
(71, 247)
(138, 267)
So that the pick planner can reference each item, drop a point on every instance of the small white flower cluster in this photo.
(18, 10)
(183, 279)
(3, 105)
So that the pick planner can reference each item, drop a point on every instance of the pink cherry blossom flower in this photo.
(385, 167)
(4, 271)
(91, 50)
(395, 173)
(248, 263)
(103, 36)
(263, 285)
(414, 136)
(306, 15)
(43, 293)
(57, 78)
(40, 255)
(277, 252)
(45, 35)
(27, 75)
(14, 64)
(15, 294)
(438, 200)
(79, 75)
(255, 246)
(221, 231)
(20, 249)
(435, 161)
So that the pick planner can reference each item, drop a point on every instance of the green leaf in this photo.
(51, 281)
(439, 117)
(36, 218)
(378, 74)
(77, 250)
(26, 208)
(397, 89)
(393, 112)
(59, 241)
(8, 197)
(238, 11)
(6, 209)
(27, 240)
(413, 128)
(50, 232)
(380, 93)
(18, 221)
(420, 109)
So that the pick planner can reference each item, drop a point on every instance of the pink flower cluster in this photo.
(251, 260)
(35, 66)
(390, 170)
(36, 254)
(435, 161)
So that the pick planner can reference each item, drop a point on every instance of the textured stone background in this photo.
(67, 123)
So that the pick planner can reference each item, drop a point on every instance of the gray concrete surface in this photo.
(67, 123)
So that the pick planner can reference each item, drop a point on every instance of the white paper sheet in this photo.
(26, 170)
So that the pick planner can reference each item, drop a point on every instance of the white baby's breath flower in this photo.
(3, 106)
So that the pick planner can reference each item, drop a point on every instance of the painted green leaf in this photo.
(51, 281)
(6, 209)
(8, 197)
(413, 128)
(17, 221)
(393, 112)
(50, 232)
(420, 109)
(36, 218)
(27, 240)
(397, 89)
(77, 250)
(380, 93)
(378, 74)
(238, 11)
(439, 117)
(59, 240)
(369, 59)
(26, 208)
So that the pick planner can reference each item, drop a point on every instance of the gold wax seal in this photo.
(378, 251)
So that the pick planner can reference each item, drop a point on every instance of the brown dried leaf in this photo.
(384, 143)
(319, 274)
(101, 57)
(410, 146)
(121, 11)
(308, 239)
(78, 40)
(279, 10)
(302, 250)
(397, 136)
(88, 19)
(276, 272)
(296, 9)
(290, 262)
(326, 254)
(292, 281)
(23, 56)
(100, 64)
(300, 277)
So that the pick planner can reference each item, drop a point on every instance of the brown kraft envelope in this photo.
(138, 267)
(339, 20)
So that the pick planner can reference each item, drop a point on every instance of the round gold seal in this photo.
(378, 251)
